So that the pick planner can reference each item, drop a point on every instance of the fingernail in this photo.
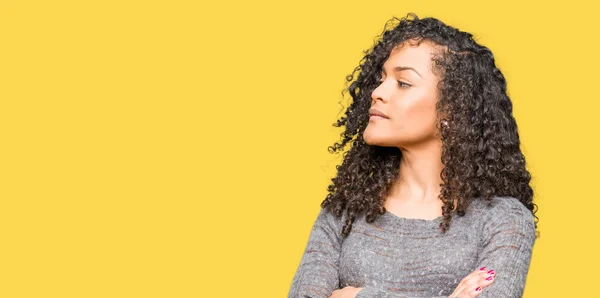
(489, 278)
(482, 268)
(492, 272)
(478, 289)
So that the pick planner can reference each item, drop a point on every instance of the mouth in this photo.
(377, 114)
(376, 117)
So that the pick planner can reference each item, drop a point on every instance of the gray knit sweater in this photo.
(410, 257)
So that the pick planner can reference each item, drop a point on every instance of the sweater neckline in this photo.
(413, 222)
(400, 218)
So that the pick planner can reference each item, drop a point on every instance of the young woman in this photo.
(432, 198)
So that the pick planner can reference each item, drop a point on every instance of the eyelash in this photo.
(400, 84)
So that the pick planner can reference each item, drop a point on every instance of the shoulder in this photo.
(328, 218)
(505, 207)
(328, 226)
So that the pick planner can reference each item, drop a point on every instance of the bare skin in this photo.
(407, 96)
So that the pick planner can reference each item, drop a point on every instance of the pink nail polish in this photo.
(492, 272)
(478, 289)
(482, 268)
(489, 278)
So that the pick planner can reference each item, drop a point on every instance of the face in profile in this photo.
(406, 97)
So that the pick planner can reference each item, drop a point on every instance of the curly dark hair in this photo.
(480, 145)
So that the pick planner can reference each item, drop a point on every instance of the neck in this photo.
(420, 170)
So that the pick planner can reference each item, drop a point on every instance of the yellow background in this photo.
(179, 148)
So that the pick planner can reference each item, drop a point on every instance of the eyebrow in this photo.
(401, 68)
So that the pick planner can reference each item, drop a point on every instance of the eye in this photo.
(403, 85)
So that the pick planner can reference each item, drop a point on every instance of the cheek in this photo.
(414, 115)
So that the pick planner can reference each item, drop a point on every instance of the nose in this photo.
(382, 92)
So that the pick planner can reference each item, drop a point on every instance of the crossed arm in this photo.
(506, 248)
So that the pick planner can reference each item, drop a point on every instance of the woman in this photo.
(433, 197)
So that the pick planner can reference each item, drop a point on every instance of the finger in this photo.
(466, 282)
(459, 289)
(469, 287)
(334, 294)
(474, 287)
(490, 275)
(482, 270)
(477, 278)
(474, 293)
(477, 274)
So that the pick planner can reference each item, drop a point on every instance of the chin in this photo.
(375, 140)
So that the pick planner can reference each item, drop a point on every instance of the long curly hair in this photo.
(480, 144)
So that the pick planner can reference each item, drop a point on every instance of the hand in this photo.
(347, 292)
(473, 284)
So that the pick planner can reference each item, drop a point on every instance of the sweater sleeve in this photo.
(318, 272)
(373, 291)
(507, 245)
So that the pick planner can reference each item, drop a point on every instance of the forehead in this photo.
(412, 55)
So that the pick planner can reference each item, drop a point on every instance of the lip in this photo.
(376, 117)
(377, 113)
